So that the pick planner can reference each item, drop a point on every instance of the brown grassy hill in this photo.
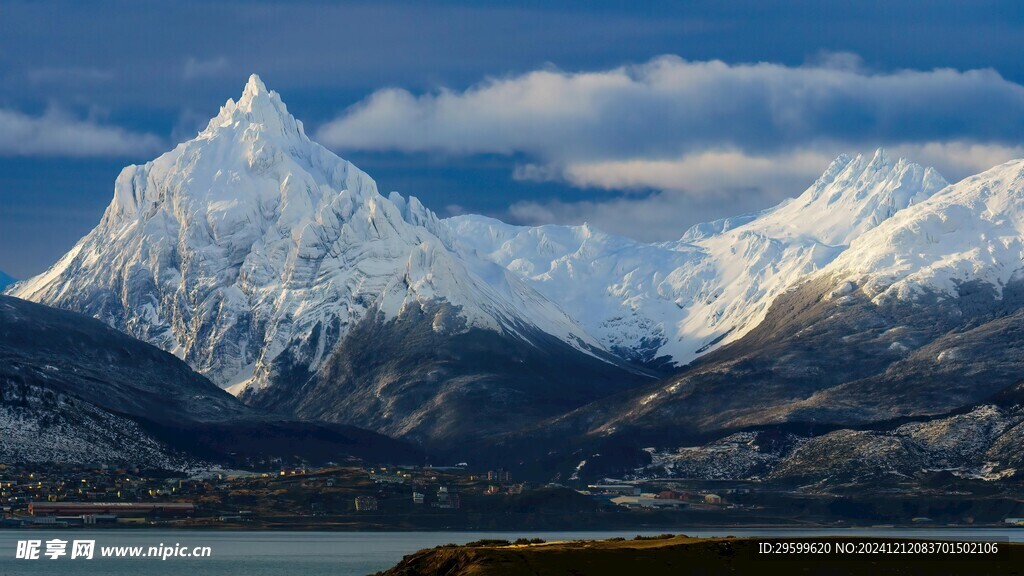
(681, 555)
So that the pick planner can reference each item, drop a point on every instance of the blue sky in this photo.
(642, 118)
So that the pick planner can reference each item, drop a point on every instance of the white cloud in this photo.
(700, 173)
(670, 107)
(58, 133)
(662, 145)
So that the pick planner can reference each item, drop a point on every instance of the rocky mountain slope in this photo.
(919, 319)
(74, 390)
(976, 445)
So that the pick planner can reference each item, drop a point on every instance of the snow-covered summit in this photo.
(258, 106)
(971, 231)
(853, 195)
(251, 240)
(681, 299)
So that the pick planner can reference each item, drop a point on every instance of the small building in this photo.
(366, 503)
(1014, 521)
(418, 498)
(672, 495)
(712, 499)
(499, 476)
(447, 500)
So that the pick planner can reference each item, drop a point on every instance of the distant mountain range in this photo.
(677, 300)
(880, 295)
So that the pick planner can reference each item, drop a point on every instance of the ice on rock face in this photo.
(251, 239)
(972, 231)
(682, 299)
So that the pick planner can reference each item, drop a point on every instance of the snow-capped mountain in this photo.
(251, 240)
(921, 318)
(968, 238)
(681, 299)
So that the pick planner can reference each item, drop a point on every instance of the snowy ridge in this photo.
(971, 231)
(251, 239)
(681, 299)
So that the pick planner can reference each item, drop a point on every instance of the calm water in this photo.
(340, 553)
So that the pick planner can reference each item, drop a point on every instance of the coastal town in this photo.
(333, 496)
(355, 497)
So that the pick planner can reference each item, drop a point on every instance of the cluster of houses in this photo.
(75, 496)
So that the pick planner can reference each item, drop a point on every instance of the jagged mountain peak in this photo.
(255, 87)
(969, 232)
(260, 106)
(855, 171)
(853, 195)
(252, 161)
(250, 242)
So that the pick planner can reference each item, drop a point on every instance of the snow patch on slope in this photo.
(971, 231)
(682, 299)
